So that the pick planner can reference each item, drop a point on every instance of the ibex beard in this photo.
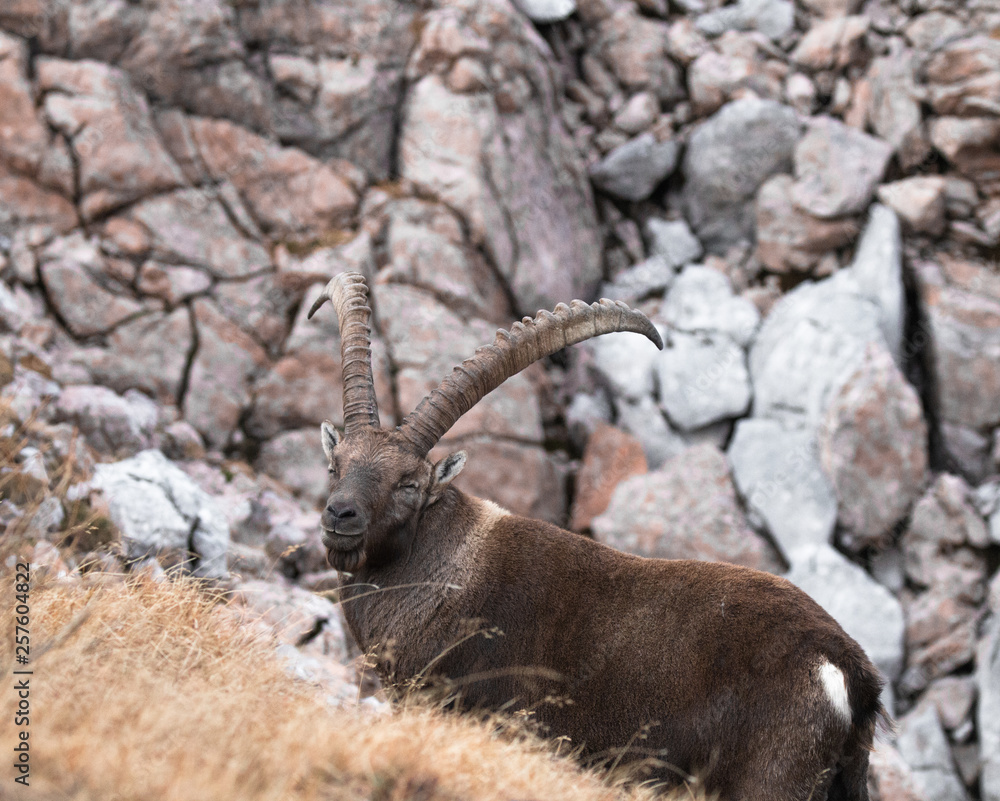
(717, 671)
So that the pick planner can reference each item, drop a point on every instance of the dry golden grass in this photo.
(146, 690)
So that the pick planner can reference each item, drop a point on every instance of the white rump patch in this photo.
(836, 689)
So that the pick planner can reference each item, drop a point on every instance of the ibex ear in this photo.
(331, 439)
(446, 470)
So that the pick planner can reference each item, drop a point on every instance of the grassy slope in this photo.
(150, 691)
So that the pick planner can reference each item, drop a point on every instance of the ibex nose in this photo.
(341, 511)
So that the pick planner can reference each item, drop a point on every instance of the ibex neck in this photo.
(412, 594)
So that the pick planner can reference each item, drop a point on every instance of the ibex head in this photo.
(381, 480)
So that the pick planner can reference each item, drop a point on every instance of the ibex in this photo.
(720, 672)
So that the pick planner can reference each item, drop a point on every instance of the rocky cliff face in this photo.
(805, 196)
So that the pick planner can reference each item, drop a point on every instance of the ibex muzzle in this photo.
(720, 672)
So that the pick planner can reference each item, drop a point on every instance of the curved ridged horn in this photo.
(511, 352)
(349, 294)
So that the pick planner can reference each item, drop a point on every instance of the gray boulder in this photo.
(673, 241)
(112, 424)
(627, 363)
(643, 419)
(161, 512)
(648, 277)
(632, 170)
(702, 299)
(987, 501)
(924, 746)
(813, 339)
(777, 472)
(773, 18)
(547, 10)
(296, 459)
(877, 270)
(728, 157)
(866, 610)
(702, 379)
(988, 710)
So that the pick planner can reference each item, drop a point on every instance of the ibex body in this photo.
(717, 671)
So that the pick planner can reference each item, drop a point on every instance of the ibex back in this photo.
(723, 673)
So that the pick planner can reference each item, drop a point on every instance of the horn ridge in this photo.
(349, 293)
(512, 351)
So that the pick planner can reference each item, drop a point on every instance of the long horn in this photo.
(349, 294)
(527, 342)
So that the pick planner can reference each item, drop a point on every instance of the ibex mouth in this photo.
(340, 540)
(344, 552)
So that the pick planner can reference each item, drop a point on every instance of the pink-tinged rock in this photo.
(297, 75)
(943, 522)
(832, 8)
(833, 43)
(890, 778)
(636, 49)
(947, 580)
(425, 246)
(837, 168)
(929, 31)
(219, 381)
(965, 76)
(953, 696)
(26, 206)
(125, 237)
(713, 78)
(108, 123)
(893, 107)
(113, 425)
(354, 112)
(509, 165)
(965, 345)
(974, 276)
(789, 239)
(295, 458)
(23, 17)
(687, 509)
(919, 201)
(519, 477)
(611, 456)
(427, 340)
(443, 39)
(800, 93)
(873, 446)
(23, 137)
(209, 74)
(940, 636)
(149, 353)
(78, 285)
(191, 227)
(304, 387)
(263, 306)
(971, 144)
(639, 113)
(685, 42)
(289, 193)
(296, 616)
(171, 282)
